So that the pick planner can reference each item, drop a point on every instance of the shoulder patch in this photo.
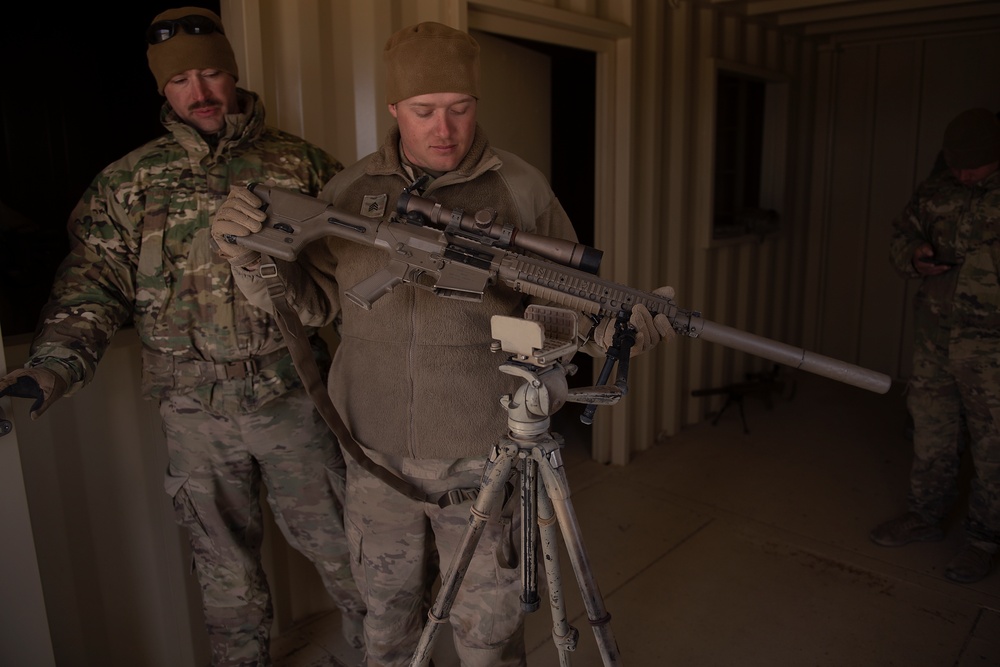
(373, 206)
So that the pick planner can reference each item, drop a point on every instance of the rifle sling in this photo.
(305, 363)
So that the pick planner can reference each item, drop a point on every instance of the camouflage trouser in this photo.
(217, 463)
(391, 537)
(941, 392)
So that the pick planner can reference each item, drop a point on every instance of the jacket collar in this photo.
(241, 128)
(480, 159)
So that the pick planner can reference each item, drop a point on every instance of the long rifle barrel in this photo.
(795, 357)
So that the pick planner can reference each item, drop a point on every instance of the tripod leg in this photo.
(529, 535)
(564, 635)
(495, 477)
(557, 488)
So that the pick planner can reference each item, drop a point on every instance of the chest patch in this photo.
(373, 206)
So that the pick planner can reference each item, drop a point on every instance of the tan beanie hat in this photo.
(972, 139)
(430, 58)
(184, 51)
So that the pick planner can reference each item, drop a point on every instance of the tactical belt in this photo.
(305, 363)
(167, 370)
(232, 370)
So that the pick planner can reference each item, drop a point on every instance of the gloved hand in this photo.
(649, 330)
(38, 383)
(239, 215)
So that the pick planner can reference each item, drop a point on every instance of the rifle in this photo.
(457, 255)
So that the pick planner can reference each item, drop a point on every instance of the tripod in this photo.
(540, 343)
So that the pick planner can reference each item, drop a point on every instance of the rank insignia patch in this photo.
(373, 206)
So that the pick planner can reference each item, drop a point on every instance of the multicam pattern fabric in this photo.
(215, 488)
(393, 539)
(956, 363)
(960, 309)
(233, 407)
(140, 252)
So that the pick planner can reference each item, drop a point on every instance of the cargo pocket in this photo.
(186, 512)
(338, 482)
(154, 223)
(150, 281)
(354, 541)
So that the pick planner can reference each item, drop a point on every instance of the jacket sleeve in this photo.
(907, 234)
(92, 291)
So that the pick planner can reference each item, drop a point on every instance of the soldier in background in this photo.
(234, 410)
(949, 237)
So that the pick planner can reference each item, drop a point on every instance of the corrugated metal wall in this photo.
(861, 126)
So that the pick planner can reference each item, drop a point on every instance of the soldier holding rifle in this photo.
(414, 377)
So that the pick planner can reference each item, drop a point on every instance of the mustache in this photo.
(205, 104)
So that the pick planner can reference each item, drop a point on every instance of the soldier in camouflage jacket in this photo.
(949, 237)
(231, 401)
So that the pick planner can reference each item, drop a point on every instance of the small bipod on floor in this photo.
(542, 344)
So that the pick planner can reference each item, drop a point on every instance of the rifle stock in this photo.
(457, 263)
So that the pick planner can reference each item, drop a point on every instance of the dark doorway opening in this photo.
(574, 127)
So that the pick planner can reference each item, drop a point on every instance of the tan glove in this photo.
(239, 215)
(649, 330)
(38, 383)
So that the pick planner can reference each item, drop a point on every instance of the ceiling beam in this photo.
(893, 9)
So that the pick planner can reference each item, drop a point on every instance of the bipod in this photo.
(531, 450)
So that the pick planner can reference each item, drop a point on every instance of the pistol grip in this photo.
(369, 290)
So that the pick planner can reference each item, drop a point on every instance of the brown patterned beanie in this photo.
(430, 58)
(179, 40)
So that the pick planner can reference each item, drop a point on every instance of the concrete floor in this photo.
(720, 548)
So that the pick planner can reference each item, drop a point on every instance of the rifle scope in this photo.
(484, 223)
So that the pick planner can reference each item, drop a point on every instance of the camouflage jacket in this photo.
(140, 253)
(959, 310)
(414, 377)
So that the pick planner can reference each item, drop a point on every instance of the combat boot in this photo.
(969, 565)
(911, 527)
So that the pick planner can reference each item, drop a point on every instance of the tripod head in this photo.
(541, 346)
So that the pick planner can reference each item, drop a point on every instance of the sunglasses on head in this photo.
(193, 24)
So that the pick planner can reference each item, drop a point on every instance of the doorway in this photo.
(539, 103)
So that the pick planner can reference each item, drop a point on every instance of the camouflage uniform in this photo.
(416, 383)
(233, 407)
(956, 356)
